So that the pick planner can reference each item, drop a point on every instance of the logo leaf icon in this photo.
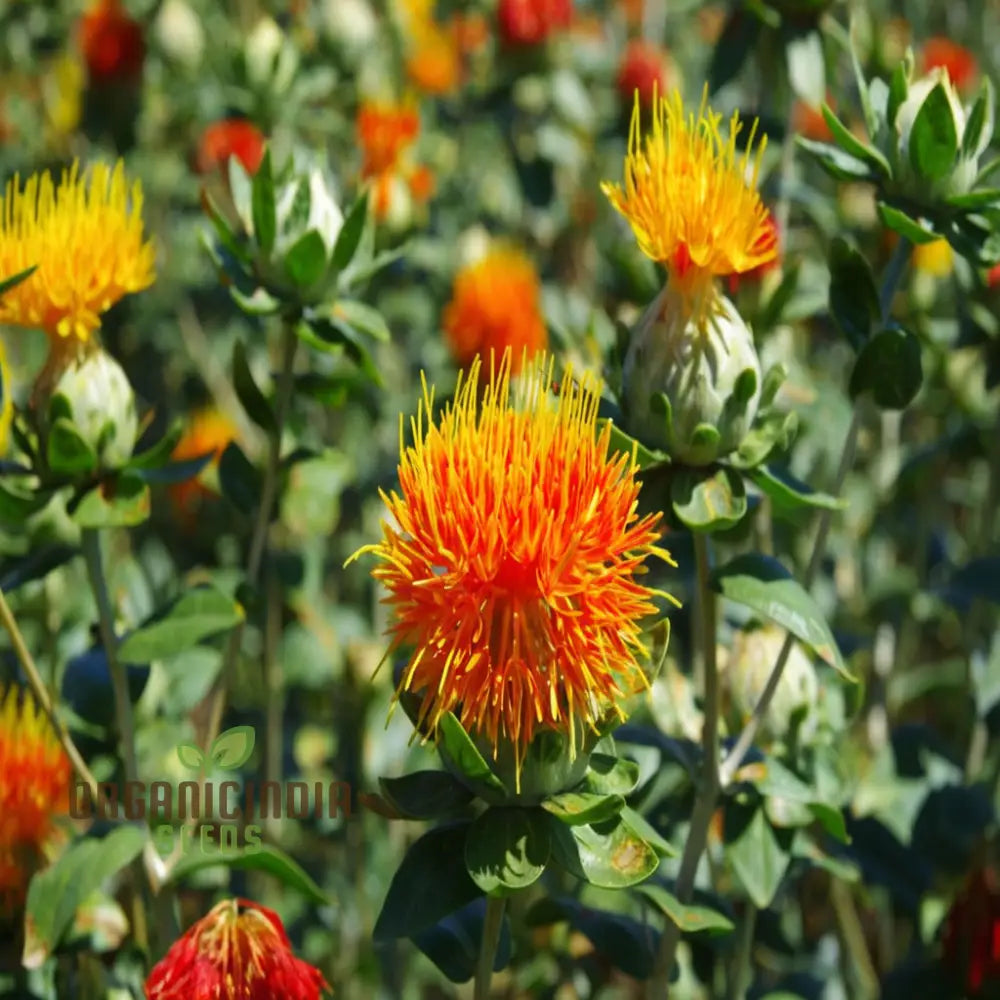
(190, 756)
(233, 747)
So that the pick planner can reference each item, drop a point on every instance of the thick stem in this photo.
(742, 968)
(709, 786)
(106, 622)
(258, 538)
(492, 926)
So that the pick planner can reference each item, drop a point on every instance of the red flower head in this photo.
(971, 939)
(644, 69)
(959, 62)
(239, 951)
(112, 43)
(531, 22)
(993, 276)
(230, 137)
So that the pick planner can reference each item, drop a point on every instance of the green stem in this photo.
(106, 622)
(742, 967)
(488, 950)
(709, 786)
(259, 535)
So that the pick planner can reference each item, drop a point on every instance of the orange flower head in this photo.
(34, 788)
(231, 137)
(112, 43)
(210, 430)
(513, 559)
(238, 951)
(496, 305)
(435, 65)
(85, 237)
(956, 59)
(385, 132)
(691, 200)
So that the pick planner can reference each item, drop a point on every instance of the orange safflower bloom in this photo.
(34, 788)
(85, 235)
(513, 558)
(496, 305)
(209, 430)
(112, 43)
(238, 951)
(959, 62)
(435, 65)
(386, 134)
(231, 137)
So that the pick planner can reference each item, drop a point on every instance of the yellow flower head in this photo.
(85, 237)
(691, 200)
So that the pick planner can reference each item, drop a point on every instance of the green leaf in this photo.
(933, 139)
(851, 144)
(908, 227)
(6, 284)
(426, 794)
(607, 775)
(232, 748)
(759, 858)
(899, 88)
(305, 261)
(838, 164)
(260, 302)
(979, 127)
(363, 318)
(201, 612)
(760, 582)
(258, 409)
(575, 808)
(707, 499)
(261, 858)
(241, 190)
(56, 892)
(619, 440)
(853, 296)
(507, 849)
(806, 66)
(16, 508)
(159, 454)
(984, 198)
(191, 756)
(431, 882)
(349, 236)
(610, 856)
(689, 918)
(461, 751)
(788, 496)
(120, 501)
(648, 832)
(889, 366)
(239, 480)
(265, 216)
(68, 454)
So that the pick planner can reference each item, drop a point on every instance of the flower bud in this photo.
(707, 369)
(271, 60)
(752, 658)
(323, 216)
(180, 34)
(98, 400)
(349, 23)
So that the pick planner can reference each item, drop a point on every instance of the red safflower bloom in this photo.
(959, 62)
(993, 276)
(970, 941)
(531, 22)
(34, 788)
(496, 305)
(230, 137)
(112, 43)
(239, 951)
(513, 561)
(644, 69)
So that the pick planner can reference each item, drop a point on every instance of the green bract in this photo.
(691, 390)
(924, 153)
